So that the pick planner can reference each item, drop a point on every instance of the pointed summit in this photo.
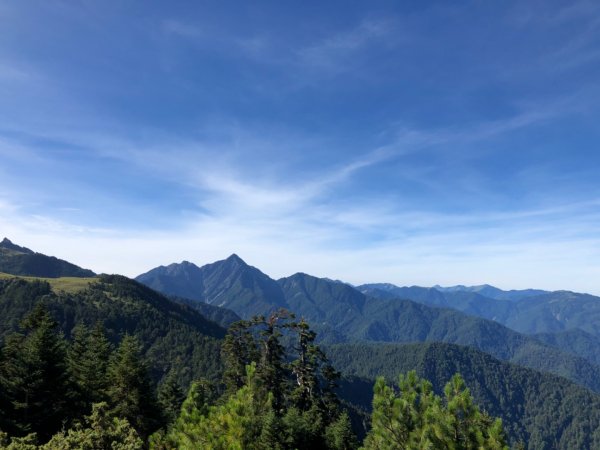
(230, 283)
(235, 259)
(7, 244)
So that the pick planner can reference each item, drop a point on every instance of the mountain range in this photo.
(342, 313)
(368, 330)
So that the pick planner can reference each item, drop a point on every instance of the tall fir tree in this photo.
(88, 357)
(35, 377)
(238, 350)
(271, 371)
(170, 397)
(130, 391)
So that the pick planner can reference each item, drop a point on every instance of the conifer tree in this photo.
(88, 358)
(270, 372)
(130, 391)
(170, 397)
(415, 417)
(339, 434)
(101, 431)
(35, 377)
(5, 407)
(239, 349)
(234, 424)
(279, 406)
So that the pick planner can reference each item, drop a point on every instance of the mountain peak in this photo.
(8, 244)
(233, 258)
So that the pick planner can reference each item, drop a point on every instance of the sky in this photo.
(414, 142)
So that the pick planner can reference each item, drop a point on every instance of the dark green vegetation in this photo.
(17, 260)
(414, 417)
(341, 313)
(544, 410)
(47, 384)
(272, 400)
(223, 316)
(174, 336)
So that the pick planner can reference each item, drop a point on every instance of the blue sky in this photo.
(406, 142)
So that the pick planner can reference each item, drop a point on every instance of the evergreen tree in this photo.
(102, 431)
(339, 434)
(130, 391)
(88, 358)
(5, 406)
(235, 424)
(170, 397)
(270, 372)
(315, 379)
(280, 406)
(35, 377)
(239, 349)
(415, 417)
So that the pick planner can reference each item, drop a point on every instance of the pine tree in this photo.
(339, 435)
(270, 372)
(170, 397)
(238, 350)
(5, 407)
(35, 377)
(102, 431)
(234, 424)
(315, 378)
(88, 358)
(415, 417)
(130, 391)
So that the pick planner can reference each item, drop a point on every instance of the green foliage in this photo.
(34, 377)
(28, 442)
(239, 349)
(129, 388)
(170, 397)
(102, 431)
(541, 409)
(339, 434)
(88, 358)
(414, 417)
(174, 335)
(281, 404)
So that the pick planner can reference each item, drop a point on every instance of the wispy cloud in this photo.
(337, 51)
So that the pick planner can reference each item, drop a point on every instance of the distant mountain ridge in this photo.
(341, 313)
(493, 292)
(17, 260)
(535, 313)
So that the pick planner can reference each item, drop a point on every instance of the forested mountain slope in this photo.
(530, 311)
(18, 260)
(173, 335)
(543, 410)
